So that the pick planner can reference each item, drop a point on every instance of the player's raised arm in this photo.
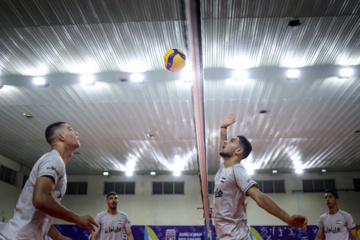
(226, 122)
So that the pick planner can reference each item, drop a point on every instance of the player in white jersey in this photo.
(39, 201)
(335, 224)
(112, 222)
(233, 184)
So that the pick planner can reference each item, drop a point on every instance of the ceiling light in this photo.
(105, 173)
(274, 171)
(152, 173)
(87, 80)
(40, 82)
(149, 135)
(293, 74)
(137, 78)
(299, 170)
(250, 172)
(240, 74)
(129, 173)
(346, 73)
(323, 170)
(177, 173)
(27, 115)
(187, 77)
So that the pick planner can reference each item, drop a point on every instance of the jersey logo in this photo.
(112, 229)
(54, 169)
(222, 180)
(338, 221)
(119, 222)
(218, 193)
(332, 230)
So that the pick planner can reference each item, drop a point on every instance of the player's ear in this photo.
(60, 137)
(239, 151)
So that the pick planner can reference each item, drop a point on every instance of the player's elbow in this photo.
(38, 202)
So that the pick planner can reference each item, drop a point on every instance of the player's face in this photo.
(230, 147)
(71, 136)
(330, 200)
(112, 201)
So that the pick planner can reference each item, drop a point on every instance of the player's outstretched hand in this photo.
(87, 222)
(297, 221)
(228, 120)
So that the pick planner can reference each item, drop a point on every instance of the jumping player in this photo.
(233, 184)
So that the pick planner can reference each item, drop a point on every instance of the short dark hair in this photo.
(110, 194)
(50, 130)
(246, 144)
(333, 192)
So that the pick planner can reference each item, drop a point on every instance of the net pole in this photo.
(194, 41)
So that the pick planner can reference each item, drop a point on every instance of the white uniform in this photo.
(336, 226)
(29, 222)
(231, 185)
(111, 227)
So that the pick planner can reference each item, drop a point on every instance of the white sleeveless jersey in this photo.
(29, 222)
(111, 227)
(336, 226)
(231, 185)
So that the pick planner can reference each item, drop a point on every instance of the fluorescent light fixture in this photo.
(346, 73)
(274, 171)
(87, 80)
(152, 173)
(129, 173)
(105, 173)
(323, 170)
(137, 78)
(40, 82)
(177, 173)
(187, 77)
(149, 135)
(293, 74)
(299, 170)
(240, 74)
(250, 172)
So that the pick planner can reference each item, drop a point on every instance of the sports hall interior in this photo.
(136, 120)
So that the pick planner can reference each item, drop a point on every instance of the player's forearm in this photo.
(94, 235)
(130, 237)
(223, 137)
(53, 232)
(271, 207)
(47, 204)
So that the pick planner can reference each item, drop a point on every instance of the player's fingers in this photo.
(94, 223)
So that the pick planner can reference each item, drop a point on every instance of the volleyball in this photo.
(175, 60)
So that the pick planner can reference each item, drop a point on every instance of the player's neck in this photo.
(333, 210)
(112, 211)
(64, 152)
(228, 162)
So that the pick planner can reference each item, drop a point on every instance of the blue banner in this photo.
(162, 232)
